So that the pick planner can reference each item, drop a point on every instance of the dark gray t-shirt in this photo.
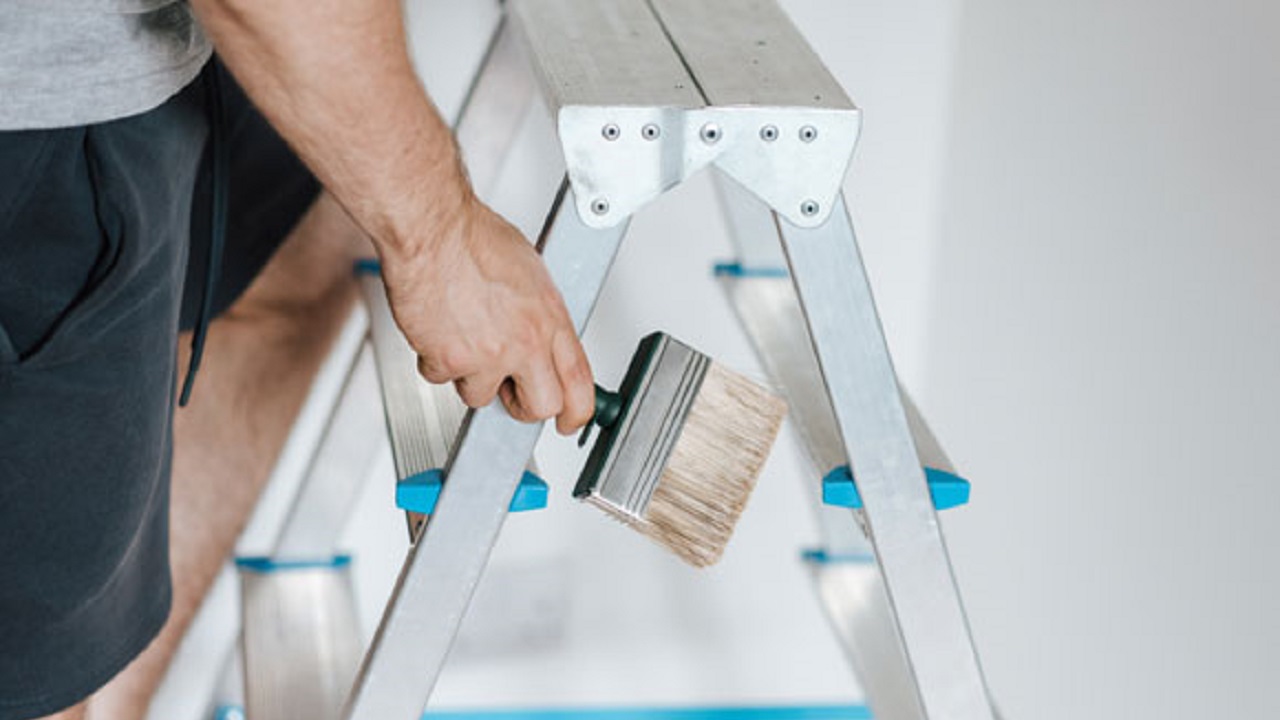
(75, 62)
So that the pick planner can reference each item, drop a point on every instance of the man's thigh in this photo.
(93, 229)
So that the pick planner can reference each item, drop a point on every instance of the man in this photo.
(124, 225)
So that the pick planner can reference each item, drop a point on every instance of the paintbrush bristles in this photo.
(713, 467)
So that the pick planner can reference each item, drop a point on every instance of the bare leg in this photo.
(75, 713)
(260, 360)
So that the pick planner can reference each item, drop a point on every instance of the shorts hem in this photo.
(124, 654)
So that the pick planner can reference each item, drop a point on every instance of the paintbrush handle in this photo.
(608, 408)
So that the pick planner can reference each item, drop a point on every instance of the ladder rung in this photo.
(947, 490)
(419, 493)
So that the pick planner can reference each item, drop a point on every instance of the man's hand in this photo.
(477, 305)
(472, 296)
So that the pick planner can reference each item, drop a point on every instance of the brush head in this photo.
(681, 461)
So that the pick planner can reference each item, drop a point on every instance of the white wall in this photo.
(1104, 352)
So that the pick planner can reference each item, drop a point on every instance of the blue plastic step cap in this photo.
(948, 490)
(421, 492)
(737, 269)
(367, 266)
(264, 564)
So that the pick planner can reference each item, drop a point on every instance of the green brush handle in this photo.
(608, 409)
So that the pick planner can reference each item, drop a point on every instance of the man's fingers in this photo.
(574, 371)
(537, 394)
(478, 390)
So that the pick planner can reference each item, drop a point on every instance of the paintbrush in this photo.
(680, 448)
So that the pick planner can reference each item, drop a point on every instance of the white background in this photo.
(1069, 211)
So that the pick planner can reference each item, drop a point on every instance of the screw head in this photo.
(600, 206)
(651, 132)
(711, 133)
(808, 133)
(769, 133)
(611, 132)
(809, 208)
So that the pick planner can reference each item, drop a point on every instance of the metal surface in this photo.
(789, 129)
(442, 569)
(300, 641)
(751, 228)
(608, 73)
(747, 52)
(898, 511)
(633, 115)
(422, 418)
(636, 451)
(495, 107)
(321, 502)
(333, 479)
(853, 596)
(603, 54)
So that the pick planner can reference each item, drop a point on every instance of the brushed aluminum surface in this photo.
(422, 418)
(638, 112)
(300, 642)
(748, 52)
(898, 511)
(442, 569)
(649, 431)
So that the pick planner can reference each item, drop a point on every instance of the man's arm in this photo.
(472, 296)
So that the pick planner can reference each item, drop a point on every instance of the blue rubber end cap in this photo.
(263, 564)
(367, 266)
(819, 556)
(947, 490)
(421, 492)
(737, 270)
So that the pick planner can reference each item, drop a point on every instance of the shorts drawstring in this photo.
(218, 221)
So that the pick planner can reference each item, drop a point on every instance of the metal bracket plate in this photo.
(643, 99)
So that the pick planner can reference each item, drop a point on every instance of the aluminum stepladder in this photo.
(644, 94)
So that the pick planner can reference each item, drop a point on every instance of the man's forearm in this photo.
(335, 78)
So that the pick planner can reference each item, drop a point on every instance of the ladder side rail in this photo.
(494, 109)
(351, 439)
(846, 580)
(911, 554)
(749, 220)
(443, 568)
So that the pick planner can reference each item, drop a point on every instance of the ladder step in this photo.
(946, 489)
(419, 493)
(768, 712)
(301, 640)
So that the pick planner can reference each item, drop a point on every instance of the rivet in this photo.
(710, 133)
(611, 132)
(769, 133)
(600, 206)
(809, 208)
(651, 132)
(808, 133)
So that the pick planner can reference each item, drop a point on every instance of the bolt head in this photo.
(769, 133)
(808, 133)
(600, 206)
(651, 132)
(809, 208)
(711, 133)
(611, 132)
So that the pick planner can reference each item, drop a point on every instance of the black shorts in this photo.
(103, 247)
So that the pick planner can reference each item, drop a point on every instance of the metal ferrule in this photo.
(629, 458)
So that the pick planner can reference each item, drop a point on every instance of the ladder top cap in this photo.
(674, 53)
